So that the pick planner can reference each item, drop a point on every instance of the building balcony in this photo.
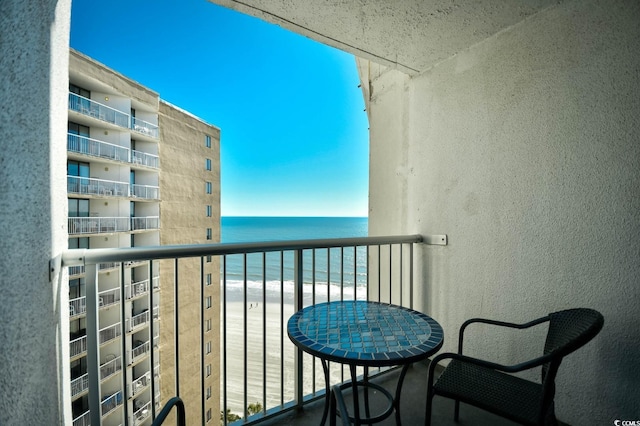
(79, 385)
(144, 127)
(85, 146)
(78, 346)
(376, 268)
(77, 306)
(110, 403)
(110, 333)
(77, 185)
(82, 420)
(110, 225)
(140, 384)
(109, 297)
(142, 413)
(146, 192)
(93, 109)
(110, 367)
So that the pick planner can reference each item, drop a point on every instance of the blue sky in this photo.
(294, 131)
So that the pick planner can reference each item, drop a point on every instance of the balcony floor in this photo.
(412, 405)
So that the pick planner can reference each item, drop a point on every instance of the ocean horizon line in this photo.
(294, 217)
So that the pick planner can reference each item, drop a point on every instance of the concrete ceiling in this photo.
(409, 35)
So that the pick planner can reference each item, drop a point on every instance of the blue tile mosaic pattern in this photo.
(365, 333)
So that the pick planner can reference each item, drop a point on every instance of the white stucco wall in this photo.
(525, 150)
(34, 322)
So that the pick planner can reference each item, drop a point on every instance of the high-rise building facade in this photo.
(140, 172)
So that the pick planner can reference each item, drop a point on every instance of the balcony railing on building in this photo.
(110, 333)
(109, 297)
(78, 346)
(140, 383)
(144, 127)
(147, 192)
(110, 403)
(99, 187)
(137, 289)
(97, 110)
(79, 385)
(142, 413)
(82, 420)
(110, 367)
(138, 320)
(77, 306)
(96, 148)
(107, 225)
(374, 268)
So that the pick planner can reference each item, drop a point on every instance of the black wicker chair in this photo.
(487, 385)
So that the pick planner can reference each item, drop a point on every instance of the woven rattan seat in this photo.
(491, 387)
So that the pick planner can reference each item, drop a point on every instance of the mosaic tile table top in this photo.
(365, 333)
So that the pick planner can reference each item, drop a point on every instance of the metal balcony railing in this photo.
(137, 289)
(109, 297)
(78, 346)
(98, 225)
(145, 159)
(286, 275)
(79, 385)
(97, 110)
(109, 368)
(139, 350)
(150, 222)
(140, 383)
(96, 148)
(77, 306)
(144, 127)
(110, 333)
(82, 420)
(147, 192)
(142, 413)
(76, 270)
(101, 187)
(110, 403)
(138, 320)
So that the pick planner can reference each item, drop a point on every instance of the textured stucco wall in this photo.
(183, 220)
(524, 150)
(34, 48)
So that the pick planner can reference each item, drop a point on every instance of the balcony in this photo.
(78, 346)
(146, 192)
(110, 403)
(145, 159)
(79, 385)
(95, 148)
(110, 333)
(142, 413)
(109, 297)
(137, 289)
(77, 306)
(140, 383)
(110, 368)
(82, 420)
(77, 185)
(109, 225)
(144, 127)
(377, 268)
(91, 108)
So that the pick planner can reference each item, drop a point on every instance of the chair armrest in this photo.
(498, 323)
(487, 364)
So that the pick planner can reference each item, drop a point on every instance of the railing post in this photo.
(297, 305)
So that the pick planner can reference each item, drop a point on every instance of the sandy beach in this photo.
(278, 377)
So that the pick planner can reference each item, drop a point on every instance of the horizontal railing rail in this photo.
(144, 127)
(97, 148)
(97, 110)
(286, 274)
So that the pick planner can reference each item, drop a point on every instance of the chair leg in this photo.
(427, 411)
(456, 411)
(332, 410)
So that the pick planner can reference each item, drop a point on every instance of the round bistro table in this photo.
(365, 334)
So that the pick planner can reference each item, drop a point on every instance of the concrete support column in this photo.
(34, 323)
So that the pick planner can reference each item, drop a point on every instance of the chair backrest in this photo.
(568, 331)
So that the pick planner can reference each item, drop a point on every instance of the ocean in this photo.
(334, 269)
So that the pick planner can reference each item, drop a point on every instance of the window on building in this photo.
(209, 234)
(207, 164)
(208, 347)
(78, 207)
(208, 325)
(207, 302)
(209, 258)
(209, 187)
(209, 415)
(209, 211)
(208, 370)
(209, 392)
(207, 141)
(208, 279)
(79, 90)
(77, 129)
